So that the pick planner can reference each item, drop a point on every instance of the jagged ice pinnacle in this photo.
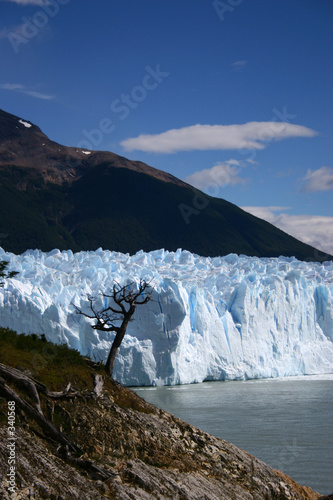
(223, 318)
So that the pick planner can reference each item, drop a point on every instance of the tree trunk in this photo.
(118, 340)
(114, 351)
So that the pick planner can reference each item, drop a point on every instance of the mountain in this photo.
(54, 196)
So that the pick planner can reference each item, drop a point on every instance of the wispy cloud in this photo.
(28, 2)
(315, 230)
(251, 135)
(16, 87)
(220, 175)
(38, 95)
(11, 86)
(238, 65)
(9, 31)
(318, 180)
(253, 162)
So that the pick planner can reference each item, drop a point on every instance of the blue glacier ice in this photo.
(223, 318)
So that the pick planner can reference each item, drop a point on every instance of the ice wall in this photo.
(231, 317)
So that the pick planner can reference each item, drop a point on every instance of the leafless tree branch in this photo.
(116, 316)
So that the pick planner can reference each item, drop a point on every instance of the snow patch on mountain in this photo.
(26, 124)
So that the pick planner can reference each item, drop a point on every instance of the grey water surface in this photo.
(287, 423)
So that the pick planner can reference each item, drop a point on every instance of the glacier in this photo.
(224, 318)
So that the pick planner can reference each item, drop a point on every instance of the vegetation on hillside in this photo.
(57, 365)
(105, 442)
(4, 273)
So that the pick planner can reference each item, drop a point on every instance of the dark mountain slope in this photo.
(55, 196)
(135, 211)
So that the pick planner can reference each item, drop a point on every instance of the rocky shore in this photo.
(129, 449)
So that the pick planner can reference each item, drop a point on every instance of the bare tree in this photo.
(115, 317)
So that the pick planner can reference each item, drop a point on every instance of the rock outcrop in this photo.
(130, 450)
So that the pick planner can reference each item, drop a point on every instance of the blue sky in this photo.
(233, 96)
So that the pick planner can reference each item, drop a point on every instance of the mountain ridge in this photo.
(54, 196)
(34, 146)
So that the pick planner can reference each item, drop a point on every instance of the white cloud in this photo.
(251, 135)
(11, 86)
(221, 174)
(16, 87)
(318, 180)
(238, 65)
(315, 230)
(38, 95)
(28, 2)
(266, 213)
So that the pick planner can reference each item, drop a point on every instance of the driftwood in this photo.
(24, 381)
(32, 387)
(37, 416)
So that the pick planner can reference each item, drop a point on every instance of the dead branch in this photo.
(24, 381)
(66, 446)
(116, 316)
(32, 385)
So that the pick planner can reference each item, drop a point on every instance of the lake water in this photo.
(287, 423)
